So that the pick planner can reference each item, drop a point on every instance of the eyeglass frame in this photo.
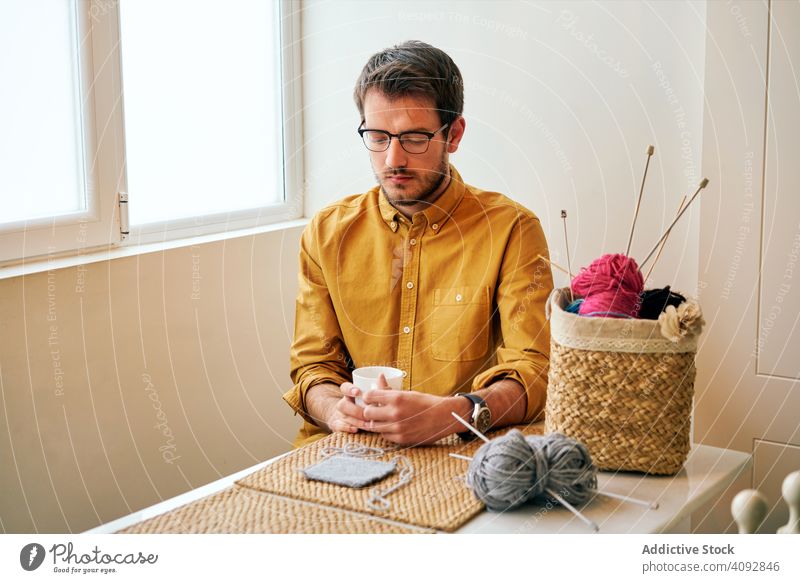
(428, 135)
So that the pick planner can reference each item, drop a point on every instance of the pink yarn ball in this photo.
(611, 287)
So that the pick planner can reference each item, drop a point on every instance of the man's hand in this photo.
(411, 417)
(346, 415)
(333, 407)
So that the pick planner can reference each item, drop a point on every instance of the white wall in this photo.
(748, 375)
(561, 101)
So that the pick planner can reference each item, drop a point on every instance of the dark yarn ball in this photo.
(655, 301)
(513, 469)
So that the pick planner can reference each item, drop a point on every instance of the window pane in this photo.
(41, 143)
(202, 94)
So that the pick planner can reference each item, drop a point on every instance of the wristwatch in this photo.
(481, 418)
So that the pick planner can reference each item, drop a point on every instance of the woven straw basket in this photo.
(621, 388)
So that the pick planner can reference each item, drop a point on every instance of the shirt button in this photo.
(406, 329)
(413, 241)
(434, 226)
(409, 285)
(459, 298)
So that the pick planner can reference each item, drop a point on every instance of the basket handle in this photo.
(547, 305)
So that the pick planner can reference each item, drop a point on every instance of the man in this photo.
(423, 273)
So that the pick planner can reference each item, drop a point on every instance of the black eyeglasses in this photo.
(412, 142)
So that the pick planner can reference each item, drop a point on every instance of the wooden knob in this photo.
(749, 509)
(791, 493)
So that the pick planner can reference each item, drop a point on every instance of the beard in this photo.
(424, 185)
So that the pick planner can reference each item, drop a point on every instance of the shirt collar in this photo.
(436, 214)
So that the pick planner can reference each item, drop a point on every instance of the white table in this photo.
(706, 474)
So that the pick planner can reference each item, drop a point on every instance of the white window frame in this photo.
(99, 226)
(53, 236)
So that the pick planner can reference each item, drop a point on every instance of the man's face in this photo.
(408, 179)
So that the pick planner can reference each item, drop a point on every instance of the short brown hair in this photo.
(414, 68)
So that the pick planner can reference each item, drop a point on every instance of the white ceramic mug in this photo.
(366, 379)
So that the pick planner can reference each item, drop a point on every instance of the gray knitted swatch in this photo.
(349, 471)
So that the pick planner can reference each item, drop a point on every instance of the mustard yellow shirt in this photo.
(454, 298)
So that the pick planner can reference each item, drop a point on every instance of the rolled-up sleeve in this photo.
(524, 284)
(318, 352)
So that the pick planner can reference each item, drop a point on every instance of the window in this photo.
(50, 197)
(188, 107)
(40, 106)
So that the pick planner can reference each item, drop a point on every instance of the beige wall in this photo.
(93, 358)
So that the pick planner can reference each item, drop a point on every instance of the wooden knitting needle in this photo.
(651, 505)
(650, 150)
(663, 244)
(574, 510)
(703, 184)
(645, 503)
(461, 457)
(554, 264)
(470, 427)
(566, 244)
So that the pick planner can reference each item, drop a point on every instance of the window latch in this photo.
(124, 229)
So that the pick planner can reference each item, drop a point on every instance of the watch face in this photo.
(484, 420)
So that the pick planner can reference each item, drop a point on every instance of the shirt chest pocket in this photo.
(461, 323)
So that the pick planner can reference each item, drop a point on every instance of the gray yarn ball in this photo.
(513, 469)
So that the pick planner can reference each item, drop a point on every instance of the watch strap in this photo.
(478, 403)
(476, 400)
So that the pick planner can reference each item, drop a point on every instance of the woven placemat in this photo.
(437, 496)
(245, 511)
